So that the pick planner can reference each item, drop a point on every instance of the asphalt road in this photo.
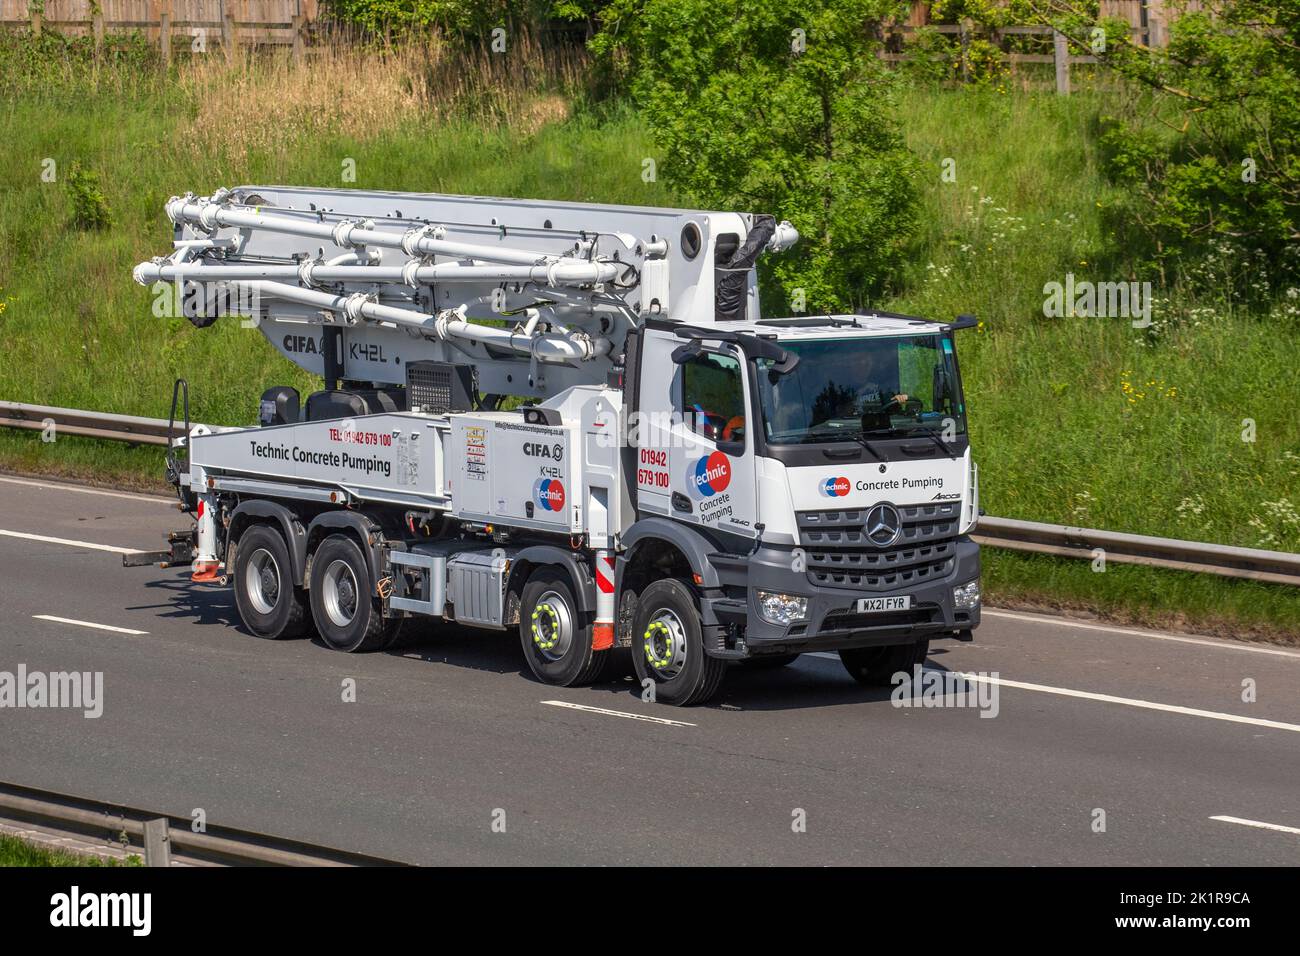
(448, 737)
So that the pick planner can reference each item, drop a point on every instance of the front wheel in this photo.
(269, 605)
(554, 633)
(347, 616)
(668, 646)
(876, 666)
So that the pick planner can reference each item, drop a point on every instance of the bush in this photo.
(1210, 147)
(89, 207)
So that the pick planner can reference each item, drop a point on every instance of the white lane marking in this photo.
(98, 627)
(83, 490)
(618, 713)
(68, 541)
(1257, 823)
(1127, 701)
(1134, 632)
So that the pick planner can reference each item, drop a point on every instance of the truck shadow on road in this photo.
(809, 682)
(183, 600)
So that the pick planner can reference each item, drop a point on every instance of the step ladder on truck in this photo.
(569, 421)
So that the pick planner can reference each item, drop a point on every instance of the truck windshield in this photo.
(851, 388)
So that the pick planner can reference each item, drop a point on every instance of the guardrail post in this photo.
(157, 844)
(1061, 54)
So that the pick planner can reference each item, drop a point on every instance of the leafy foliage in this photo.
(1211, 149)
(779, 107)
(89, 206)
(459, 16)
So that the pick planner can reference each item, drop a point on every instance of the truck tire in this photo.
(555, 634)
(269, 604)
(875, 666)
(347, 616)
(668, 646)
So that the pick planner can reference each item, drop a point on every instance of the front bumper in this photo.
(832, 622)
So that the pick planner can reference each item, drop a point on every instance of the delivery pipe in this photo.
(412, 273)
(423, 240)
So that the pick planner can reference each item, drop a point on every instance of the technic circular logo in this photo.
(833, 487)
(709, 475)
(548, 494)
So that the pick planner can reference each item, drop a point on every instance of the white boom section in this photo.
(414, 276)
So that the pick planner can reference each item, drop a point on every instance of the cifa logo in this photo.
(548, 493)
(709, 476)
(833, 487)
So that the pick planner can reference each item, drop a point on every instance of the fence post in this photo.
(35, 12)
(1061, 54)
(157, 844)
(228, 34)
(165, 34)
(964, 30)
(298, 38)
(1156, 36)
(97, 27)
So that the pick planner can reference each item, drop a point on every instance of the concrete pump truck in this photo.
(571, 421)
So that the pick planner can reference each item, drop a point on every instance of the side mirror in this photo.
(963, 322)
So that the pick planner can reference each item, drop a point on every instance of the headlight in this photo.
(782, 608)
(967, 597)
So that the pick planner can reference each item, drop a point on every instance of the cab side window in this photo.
(713, 397)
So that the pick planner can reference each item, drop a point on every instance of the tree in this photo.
(778, 106)
(1212, 150)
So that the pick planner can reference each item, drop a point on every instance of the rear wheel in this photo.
(347, 615)
(269, 605)
(875, 666)
(668, 646)
(555, 634)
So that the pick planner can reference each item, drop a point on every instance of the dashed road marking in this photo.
(1258, 824)
(1127, 701)
(618, 713)
(98, 627)
(1135, 632)
(83, 490)
(68, 541)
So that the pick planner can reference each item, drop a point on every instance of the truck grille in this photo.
(839, 554)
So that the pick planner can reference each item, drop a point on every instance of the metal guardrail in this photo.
(74, 421)
(1274, 567)
(157, 836)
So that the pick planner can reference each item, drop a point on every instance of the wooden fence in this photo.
(218, 24)
(228, 24)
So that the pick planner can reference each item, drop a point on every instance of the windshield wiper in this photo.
(934, 437)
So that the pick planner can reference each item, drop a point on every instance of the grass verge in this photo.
(17, 852)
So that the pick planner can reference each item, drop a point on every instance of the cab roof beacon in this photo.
(572, 421)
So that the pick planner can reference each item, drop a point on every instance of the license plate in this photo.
(874, 605)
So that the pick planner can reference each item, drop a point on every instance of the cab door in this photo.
(695, 456)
